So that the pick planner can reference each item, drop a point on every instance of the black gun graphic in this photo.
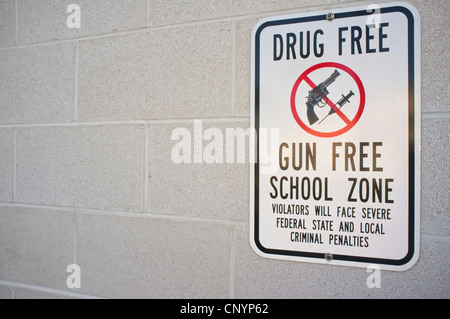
(318, 95)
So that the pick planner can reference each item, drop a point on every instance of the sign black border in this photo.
(411, 145)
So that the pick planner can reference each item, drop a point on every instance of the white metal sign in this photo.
(336, 109)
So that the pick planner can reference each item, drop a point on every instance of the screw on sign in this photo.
(318, 96)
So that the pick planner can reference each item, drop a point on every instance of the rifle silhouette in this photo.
(318, 95)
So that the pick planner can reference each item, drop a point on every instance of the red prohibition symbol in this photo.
(349, 122)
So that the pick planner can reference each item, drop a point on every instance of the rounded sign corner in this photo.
(257, 247)
(411, 8)
(409, 261)
(259, 27)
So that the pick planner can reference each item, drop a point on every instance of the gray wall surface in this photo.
(86, 175)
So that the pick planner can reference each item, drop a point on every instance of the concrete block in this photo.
(435, 54)
(81, 166)
(171, 73)
(37, 84)
(7, 23)
(5, 292)
(6, 164)
(243, 64)
(170, 12)
(41, 21)
(142, 257)
(23, 293)
(201, 189)
(7, 86)
(36, 246)
(429, 278)
(435, 216)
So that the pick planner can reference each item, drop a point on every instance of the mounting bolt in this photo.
(328, 257)
(330, 16)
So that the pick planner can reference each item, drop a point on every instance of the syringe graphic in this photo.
(341, 103)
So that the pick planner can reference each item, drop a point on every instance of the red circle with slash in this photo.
(349, 123)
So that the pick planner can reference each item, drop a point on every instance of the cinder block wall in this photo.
(86, 175)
